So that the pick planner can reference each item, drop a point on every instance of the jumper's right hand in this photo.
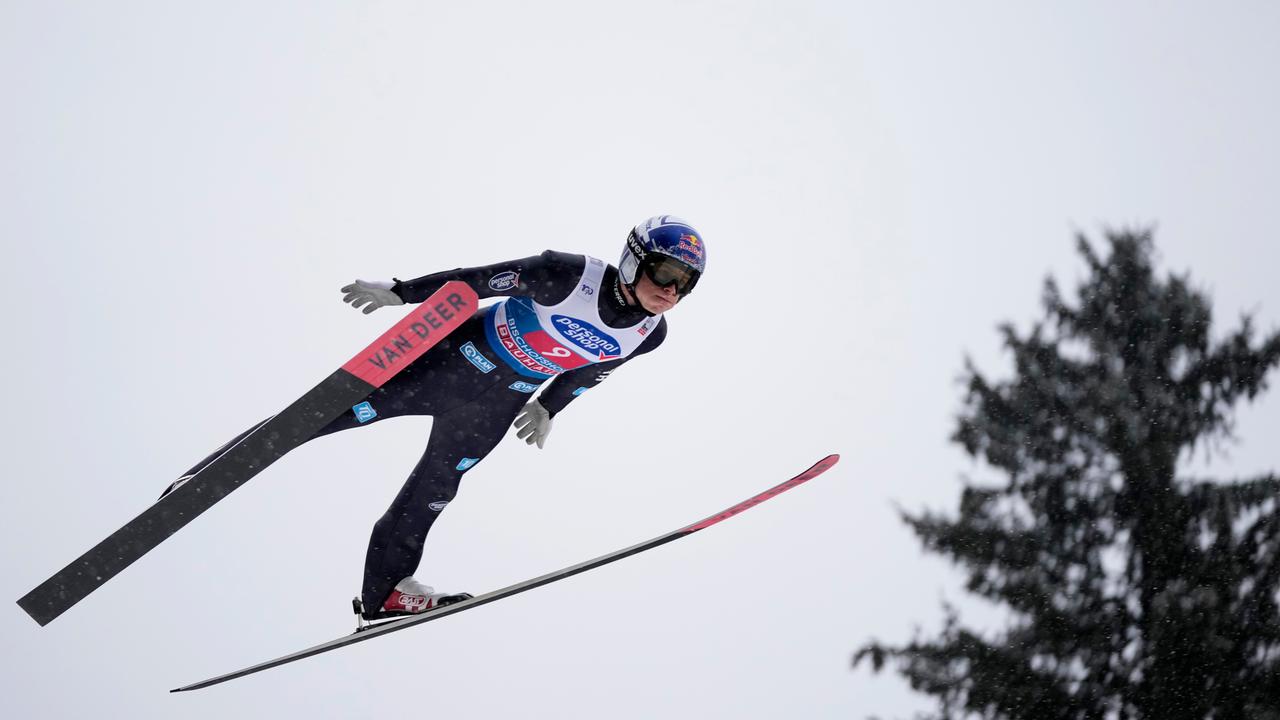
(370, 294)
(534, 424)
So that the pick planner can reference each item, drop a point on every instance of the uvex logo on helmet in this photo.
(635, 246)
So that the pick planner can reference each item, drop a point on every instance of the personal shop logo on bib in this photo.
(586, 336)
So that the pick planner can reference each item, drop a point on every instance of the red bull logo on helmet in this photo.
(690, 249)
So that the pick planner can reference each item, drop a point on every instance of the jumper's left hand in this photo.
(372, 294)
(534, 423)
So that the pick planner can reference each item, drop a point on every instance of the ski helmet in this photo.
(668, 250)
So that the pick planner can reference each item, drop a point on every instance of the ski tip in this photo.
(822, 465)
(814, 471)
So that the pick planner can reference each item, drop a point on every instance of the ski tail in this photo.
(424, 326)
(391, 626)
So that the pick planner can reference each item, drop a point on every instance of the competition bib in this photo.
(541, 342)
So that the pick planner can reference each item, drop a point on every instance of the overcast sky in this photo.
(184, 187)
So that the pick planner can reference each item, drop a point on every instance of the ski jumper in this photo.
(563, 319)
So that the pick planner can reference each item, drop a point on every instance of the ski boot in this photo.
(409, 597)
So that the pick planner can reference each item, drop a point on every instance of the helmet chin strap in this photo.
(626, 294)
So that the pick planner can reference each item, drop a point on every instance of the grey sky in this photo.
(183, 189)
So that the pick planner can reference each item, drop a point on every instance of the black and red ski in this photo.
(422, 328)
(390, 626)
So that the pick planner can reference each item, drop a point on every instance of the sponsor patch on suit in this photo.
(482, 363)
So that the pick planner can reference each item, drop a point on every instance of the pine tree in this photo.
(1134, 593)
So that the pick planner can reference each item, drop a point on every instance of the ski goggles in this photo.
(665, 271)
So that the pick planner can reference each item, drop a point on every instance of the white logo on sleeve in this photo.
(504, 281)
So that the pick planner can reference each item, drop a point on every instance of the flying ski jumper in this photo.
(567, 319)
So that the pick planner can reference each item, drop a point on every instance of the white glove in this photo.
(534, 423)
(374, 294)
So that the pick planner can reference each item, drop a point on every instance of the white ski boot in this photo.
(411, 597)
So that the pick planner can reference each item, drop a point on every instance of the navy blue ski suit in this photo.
(472, 408)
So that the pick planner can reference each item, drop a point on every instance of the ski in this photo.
(390, 626)
(425, 325)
